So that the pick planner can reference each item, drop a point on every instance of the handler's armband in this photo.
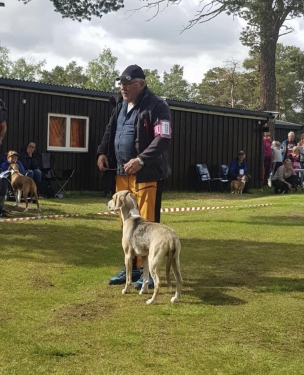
(163, 129)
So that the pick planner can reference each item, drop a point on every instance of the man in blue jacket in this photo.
(238, 168)
(136, 144)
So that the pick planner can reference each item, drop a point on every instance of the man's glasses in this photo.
(125, 83)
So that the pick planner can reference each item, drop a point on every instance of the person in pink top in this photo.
(267, 157)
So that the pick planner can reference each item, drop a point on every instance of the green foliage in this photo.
(175, 86)
(19, 69)
(102, 72)
(72, 75)
(5, 62)
(84, 9)
(153, 81)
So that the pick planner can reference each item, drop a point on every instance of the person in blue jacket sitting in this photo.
(12, 157)
(238, 168)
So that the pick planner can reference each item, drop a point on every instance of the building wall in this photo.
(197, 137)
(212, 140)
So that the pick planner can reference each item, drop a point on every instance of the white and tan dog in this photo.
(151, 241)
(237, 186)
(22, 184)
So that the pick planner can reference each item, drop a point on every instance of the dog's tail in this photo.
(173, 261)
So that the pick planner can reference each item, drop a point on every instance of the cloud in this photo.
(35, 31)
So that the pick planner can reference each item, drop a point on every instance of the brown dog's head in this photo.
(14, 168)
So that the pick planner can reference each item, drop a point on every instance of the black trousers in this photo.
(3, 186)
(277, 184)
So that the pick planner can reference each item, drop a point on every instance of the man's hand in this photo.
(132, 166)
(102, 163)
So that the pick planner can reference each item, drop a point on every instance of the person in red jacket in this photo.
(267, 157)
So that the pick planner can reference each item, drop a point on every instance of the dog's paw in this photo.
(150, 301)
(175, 300)
(26, 210)
(143, 291)
(125, 291)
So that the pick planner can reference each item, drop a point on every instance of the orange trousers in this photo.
(145, 193)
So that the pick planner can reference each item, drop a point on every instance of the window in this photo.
(68, 133)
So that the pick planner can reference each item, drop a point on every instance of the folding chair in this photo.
(204, 176)
(62, 178)
(224, 169)
(46, 164)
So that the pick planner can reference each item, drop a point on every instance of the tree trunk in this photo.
(269, 34)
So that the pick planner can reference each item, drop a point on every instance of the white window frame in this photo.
(67, 147)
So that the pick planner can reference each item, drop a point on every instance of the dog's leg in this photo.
(128, 264)
(144, 288)
(154, 271)
(178, 277)
(17, 193)
(25, 194)
(36, 197)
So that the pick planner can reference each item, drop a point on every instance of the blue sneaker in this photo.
(139, 283)
(120, 278)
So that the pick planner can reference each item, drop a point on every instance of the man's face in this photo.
(241, 157)
(131, 89)
(291, 137)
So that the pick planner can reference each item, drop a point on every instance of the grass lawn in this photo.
(242, 309)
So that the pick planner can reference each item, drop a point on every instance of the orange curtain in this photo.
(57, 135)
(77, 137)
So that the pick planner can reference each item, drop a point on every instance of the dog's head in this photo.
(244, 179)
(121, 199)
(14, 168)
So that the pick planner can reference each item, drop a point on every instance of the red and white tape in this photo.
(28, 218)
(187, 209)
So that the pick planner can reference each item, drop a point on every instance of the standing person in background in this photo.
(277, 158)
(301, 149)
(28, 158)
(288, 144)
(136, 144)
(3, 179)
(267, 157)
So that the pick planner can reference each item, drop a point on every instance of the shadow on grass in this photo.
(213, 269)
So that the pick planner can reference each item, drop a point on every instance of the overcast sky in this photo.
(36, 32)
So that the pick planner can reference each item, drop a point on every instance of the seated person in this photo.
(28, 158)
(238, 168)
(285, 178)
(12, 157)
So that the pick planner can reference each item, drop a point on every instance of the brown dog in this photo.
(237, 186)
(22, 184)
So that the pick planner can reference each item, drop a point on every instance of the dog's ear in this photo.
(119, 198)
